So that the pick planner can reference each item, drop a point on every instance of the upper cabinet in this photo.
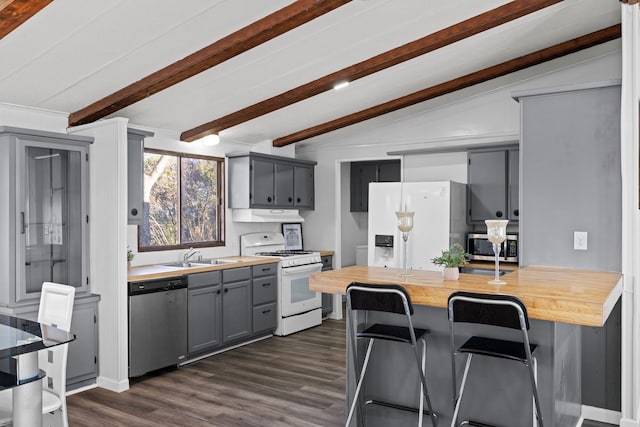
(135, 174)
(362, 173)
(265, 181)
(493, 179)
(45, 195)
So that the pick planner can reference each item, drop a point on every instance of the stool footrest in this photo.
(400, 407)
(475, 424)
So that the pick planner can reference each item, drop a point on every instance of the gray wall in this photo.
(571, 181)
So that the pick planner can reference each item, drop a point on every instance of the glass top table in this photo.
(20, 341)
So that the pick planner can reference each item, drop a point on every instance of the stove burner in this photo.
(284, 253)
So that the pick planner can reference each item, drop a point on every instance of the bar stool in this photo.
(493, 310)
(389, 299)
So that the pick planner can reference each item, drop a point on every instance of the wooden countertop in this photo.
(157, 271)
(581, 297)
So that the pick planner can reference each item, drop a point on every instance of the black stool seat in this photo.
(392, 333)
(496, 348)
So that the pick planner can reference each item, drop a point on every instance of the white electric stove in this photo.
(298, 307)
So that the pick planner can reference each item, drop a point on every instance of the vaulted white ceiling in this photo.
(75, 52)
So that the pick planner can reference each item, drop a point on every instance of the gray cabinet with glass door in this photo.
(45, 195)
(45, 190)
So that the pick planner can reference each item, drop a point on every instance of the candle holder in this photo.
(405, 225)
(497, 233)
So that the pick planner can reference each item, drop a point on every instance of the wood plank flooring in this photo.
(298, 380)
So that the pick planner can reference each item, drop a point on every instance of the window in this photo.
(183, 201)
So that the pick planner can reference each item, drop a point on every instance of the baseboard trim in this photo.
(601, 415)
(80, 389)
(109, 384)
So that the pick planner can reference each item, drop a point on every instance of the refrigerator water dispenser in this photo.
(383, 249)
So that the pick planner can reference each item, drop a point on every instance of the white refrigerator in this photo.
(439, 221)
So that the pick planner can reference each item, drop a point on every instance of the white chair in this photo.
(56, 309)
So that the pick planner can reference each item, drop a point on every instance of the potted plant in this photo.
(130, 256)
(451, 260)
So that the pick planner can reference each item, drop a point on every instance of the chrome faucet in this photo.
(185, 258)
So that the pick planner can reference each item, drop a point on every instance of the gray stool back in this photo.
(390, 299)
(494, 310)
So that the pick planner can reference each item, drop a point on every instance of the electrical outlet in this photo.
(580, 240)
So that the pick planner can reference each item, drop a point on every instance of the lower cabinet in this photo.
(204, 302)
(236, 310)
(82, 358)
(231, 306)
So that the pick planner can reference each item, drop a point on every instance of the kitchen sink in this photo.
(200, 263)
(485, 271)
(186, 265)
(218, 261)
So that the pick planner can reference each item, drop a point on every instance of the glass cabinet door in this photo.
(51, 223)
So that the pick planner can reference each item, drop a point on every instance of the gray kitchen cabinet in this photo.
(135, 174)
(304, 186)
(266, 181)
(492, 191)
(204, 306)
(363, 173)
(265, 294)
(236, 304)
(45, 195)
(82, 359)
(571, 181)
(283, 184)
(327, 299)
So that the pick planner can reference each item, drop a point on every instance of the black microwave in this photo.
(481, 249)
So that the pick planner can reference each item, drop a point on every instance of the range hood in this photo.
(266, 215)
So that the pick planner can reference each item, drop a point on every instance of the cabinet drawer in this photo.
(264, 317)
(207, 278)
(265, 289)
(235, 274)
(265, 269)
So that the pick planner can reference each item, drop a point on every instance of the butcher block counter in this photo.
(581, 297)
(159, 271)
(559, 302)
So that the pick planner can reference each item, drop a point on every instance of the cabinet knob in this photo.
(290, 199)
(516, 212)
(134, 212)
(269, 199)
(298, 200)
(226, 290)
(264, 285)
(218, 292)
(499, 214)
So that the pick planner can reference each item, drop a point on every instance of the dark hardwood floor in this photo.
(297, 380)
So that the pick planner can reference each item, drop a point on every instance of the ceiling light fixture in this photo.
(340, 85)
(212, 139)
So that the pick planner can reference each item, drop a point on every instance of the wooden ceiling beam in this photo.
(522, 62)
(296, 14)
(14, 13)
(477, 24)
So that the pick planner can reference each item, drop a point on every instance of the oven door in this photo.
(295, 296)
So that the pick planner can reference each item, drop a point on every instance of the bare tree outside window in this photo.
(182, 201)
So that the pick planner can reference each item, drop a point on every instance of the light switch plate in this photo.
(580, 240)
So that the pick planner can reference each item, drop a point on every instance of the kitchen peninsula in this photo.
(559, 301)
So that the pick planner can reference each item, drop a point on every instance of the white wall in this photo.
(485, 113)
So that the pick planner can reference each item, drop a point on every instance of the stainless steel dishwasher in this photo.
(157, 324)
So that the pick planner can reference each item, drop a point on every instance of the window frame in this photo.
(220, 218)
